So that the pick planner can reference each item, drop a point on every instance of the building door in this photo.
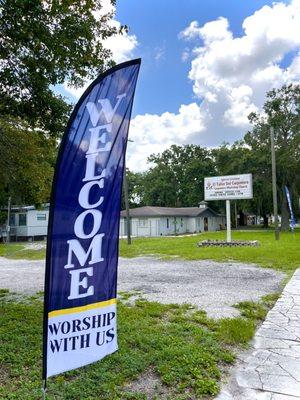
(205, 224)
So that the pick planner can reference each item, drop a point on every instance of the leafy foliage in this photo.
(26, 163)
(44, 43)
(282, 111)
(176, 176)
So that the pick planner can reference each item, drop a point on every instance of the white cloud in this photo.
(155, 133)
(211, 31)
(230, 77)
(185, 54)
(160, 53)
(190, 32)
(225, 62)
(121, 46)
(240, 106)
(294, 68)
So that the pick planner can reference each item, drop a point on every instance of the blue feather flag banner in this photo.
(80, 310)
(288, 196)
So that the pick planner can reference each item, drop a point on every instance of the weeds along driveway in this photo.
(209, 285)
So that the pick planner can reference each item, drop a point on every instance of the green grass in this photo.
(257, 311)
(283, 255)
(184, 349)
(242, 329)
(9, 250)
(18, 251)
(28, 254)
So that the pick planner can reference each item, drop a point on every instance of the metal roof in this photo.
(150, 211)
(16, 208)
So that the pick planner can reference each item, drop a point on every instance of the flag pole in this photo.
(44, 389)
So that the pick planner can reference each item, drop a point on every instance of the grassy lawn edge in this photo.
(187, 352)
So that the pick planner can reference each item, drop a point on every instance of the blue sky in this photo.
(163, 83)
(205, 66)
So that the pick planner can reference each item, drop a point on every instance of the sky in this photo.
(205, 66)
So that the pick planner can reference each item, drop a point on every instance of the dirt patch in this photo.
(150, 385)
(4, 374)
(35, 246)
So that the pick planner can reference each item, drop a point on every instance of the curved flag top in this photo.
(289, 200)
(82, 250)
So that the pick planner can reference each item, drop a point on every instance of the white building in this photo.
(163, 221)
(26, 222)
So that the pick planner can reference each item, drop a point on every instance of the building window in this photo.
(41, 217)
(181, 222)
(22, 219)
(168, 223)
(143, 222)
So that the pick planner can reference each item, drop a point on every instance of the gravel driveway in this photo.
(210, 285)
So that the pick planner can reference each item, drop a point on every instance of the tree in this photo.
(135, 189)
(176, 178)
(42, 44)
(159, 187)
(282, 111)
(240, 158)
(26, 163)
(45, 43)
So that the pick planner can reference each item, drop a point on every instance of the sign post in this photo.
(228, 221)
(228, 187)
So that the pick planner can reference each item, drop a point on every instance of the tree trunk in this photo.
(285, 213)
(242, 218)
(266, 221)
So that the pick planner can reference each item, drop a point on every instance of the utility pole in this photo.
(274, 184)
(125, 186)
(8, 221)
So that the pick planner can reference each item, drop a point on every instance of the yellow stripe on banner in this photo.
(73, 310)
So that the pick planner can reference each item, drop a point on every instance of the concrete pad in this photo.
(271, 371)
(251, 394)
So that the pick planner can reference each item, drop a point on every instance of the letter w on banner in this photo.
(82, 250)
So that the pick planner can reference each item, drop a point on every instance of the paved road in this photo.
(271, 369)
(210, 285)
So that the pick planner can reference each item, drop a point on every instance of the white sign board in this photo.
(228, 187)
